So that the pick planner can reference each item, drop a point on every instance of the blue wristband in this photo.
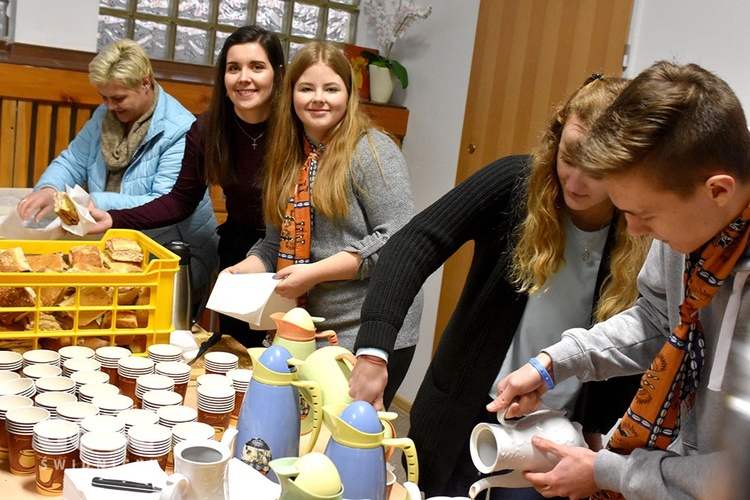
(543, 372)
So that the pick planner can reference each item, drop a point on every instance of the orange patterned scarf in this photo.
(296, 228)
(653, 418)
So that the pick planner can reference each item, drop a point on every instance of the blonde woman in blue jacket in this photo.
(129, 152)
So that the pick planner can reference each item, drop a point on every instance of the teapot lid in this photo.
(362, 416)
(271, 365)
(274, 358)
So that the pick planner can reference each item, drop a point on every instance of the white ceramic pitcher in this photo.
(507, 446)
(200, 470)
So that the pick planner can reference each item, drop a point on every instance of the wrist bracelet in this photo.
(543, 372)
(373, 359)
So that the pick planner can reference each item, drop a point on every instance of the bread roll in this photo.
(12, 260)
(89, 296)
(16, 297)
(93, 342)
(121, 267)
(123, 250)
(125, 319)
(66, 209)
(85, 254)
(42, 262)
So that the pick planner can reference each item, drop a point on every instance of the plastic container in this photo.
(153, 308)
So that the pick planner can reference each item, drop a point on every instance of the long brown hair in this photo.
(217, 153)
(540, 238)
(285, 150)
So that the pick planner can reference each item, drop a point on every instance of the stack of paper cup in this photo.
(76, 411)
(108, 356)
(177, 371)
(35, 372)
(129, 369)
(8, 403)
(215, 405)
(220, 362)
(191, 431)
(112, 404)
(106, 423)
(151, 382)
(84, 377)
(51, 400)
(137, 416)
(214, 379)
(11, 361)
(87, 392)
(41, 357)
(149, 442)
(55, 443)
(8, 375)
(73, 365)
(55, 384)
(162, 353)
(240, 381)
(153, 400)
(75, 351)
(20, 422)
(103, 449)
(169, 416)
(18, 387)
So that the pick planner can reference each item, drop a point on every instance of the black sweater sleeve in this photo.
(467, 212)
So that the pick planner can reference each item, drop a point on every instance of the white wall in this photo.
(437, 53)
(65, 24)
(709, 33)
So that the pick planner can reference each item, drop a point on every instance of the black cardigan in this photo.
(483, 209)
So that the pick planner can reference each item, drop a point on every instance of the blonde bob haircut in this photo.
(285, 152)
(540, 238)
(124, 62)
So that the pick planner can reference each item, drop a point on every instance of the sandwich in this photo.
(66, 209)
(13, 260)
(123, 250)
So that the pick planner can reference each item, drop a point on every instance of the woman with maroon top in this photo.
(223, 147)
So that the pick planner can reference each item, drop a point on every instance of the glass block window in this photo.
(193, 31)
(4, 18)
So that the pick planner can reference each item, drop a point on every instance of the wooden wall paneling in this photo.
(528, 56)
(7, 140)
(43, 124)
(62, 129)
(21, 165)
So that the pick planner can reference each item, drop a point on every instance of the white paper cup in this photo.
(138, 416)
(8, 375)
(102, 423)
(103, 449)
(109, 355)
(10, 360)
(76, 411)
(51, 400)
(214, 379)
(18, 387)
(169, 416)
(41, 357)
(73, 365)
(75, 351)
(191, 431)
(164, 353)
(55, 384)
(152, 382)
(112, 404)
(153, 400)
(220, 362)
(35, 372)
(88, 392)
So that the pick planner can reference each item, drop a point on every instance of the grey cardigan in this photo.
(380, 203)
(626, 344)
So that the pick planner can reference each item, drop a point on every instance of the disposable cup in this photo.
(177, 371)
(88, 392)
(41, 357)
(55, 444)
(76, 411)
(8, 375)
(51, 400)
(73, 365)
(164, 352)
(169, 416)
(84, 377)
(220, 362)
(103, 449)
(75, 351)
(35, 372)
(55, 384)
(108, 356)
(214, 379)
(19, 422)
(19, 387)
(7, 403)
(138, 416)
(153, 400)
(97, 423)
(149, 442)
(112, 404)
(11, 361)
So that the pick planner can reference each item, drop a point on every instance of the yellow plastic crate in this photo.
(159, 268)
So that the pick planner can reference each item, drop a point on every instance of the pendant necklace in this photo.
(254, 139)
(586, 254)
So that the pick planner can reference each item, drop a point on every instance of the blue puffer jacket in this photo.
(152, 172)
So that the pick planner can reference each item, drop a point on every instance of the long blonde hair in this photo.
(286, 155)
(540, 238)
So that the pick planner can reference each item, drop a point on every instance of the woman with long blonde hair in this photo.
(550, 253)
(335, 189)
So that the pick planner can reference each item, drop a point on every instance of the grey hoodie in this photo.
(627, 343)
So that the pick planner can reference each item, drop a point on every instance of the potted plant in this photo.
(392, 18)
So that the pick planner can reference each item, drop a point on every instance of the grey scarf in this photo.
(117, 148)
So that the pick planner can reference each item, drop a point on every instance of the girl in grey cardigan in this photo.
(336, 189)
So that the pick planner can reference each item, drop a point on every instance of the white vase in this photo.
(381, 83)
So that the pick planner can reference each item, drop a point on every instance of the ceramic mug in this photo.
(200, 471)
(507, 445)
